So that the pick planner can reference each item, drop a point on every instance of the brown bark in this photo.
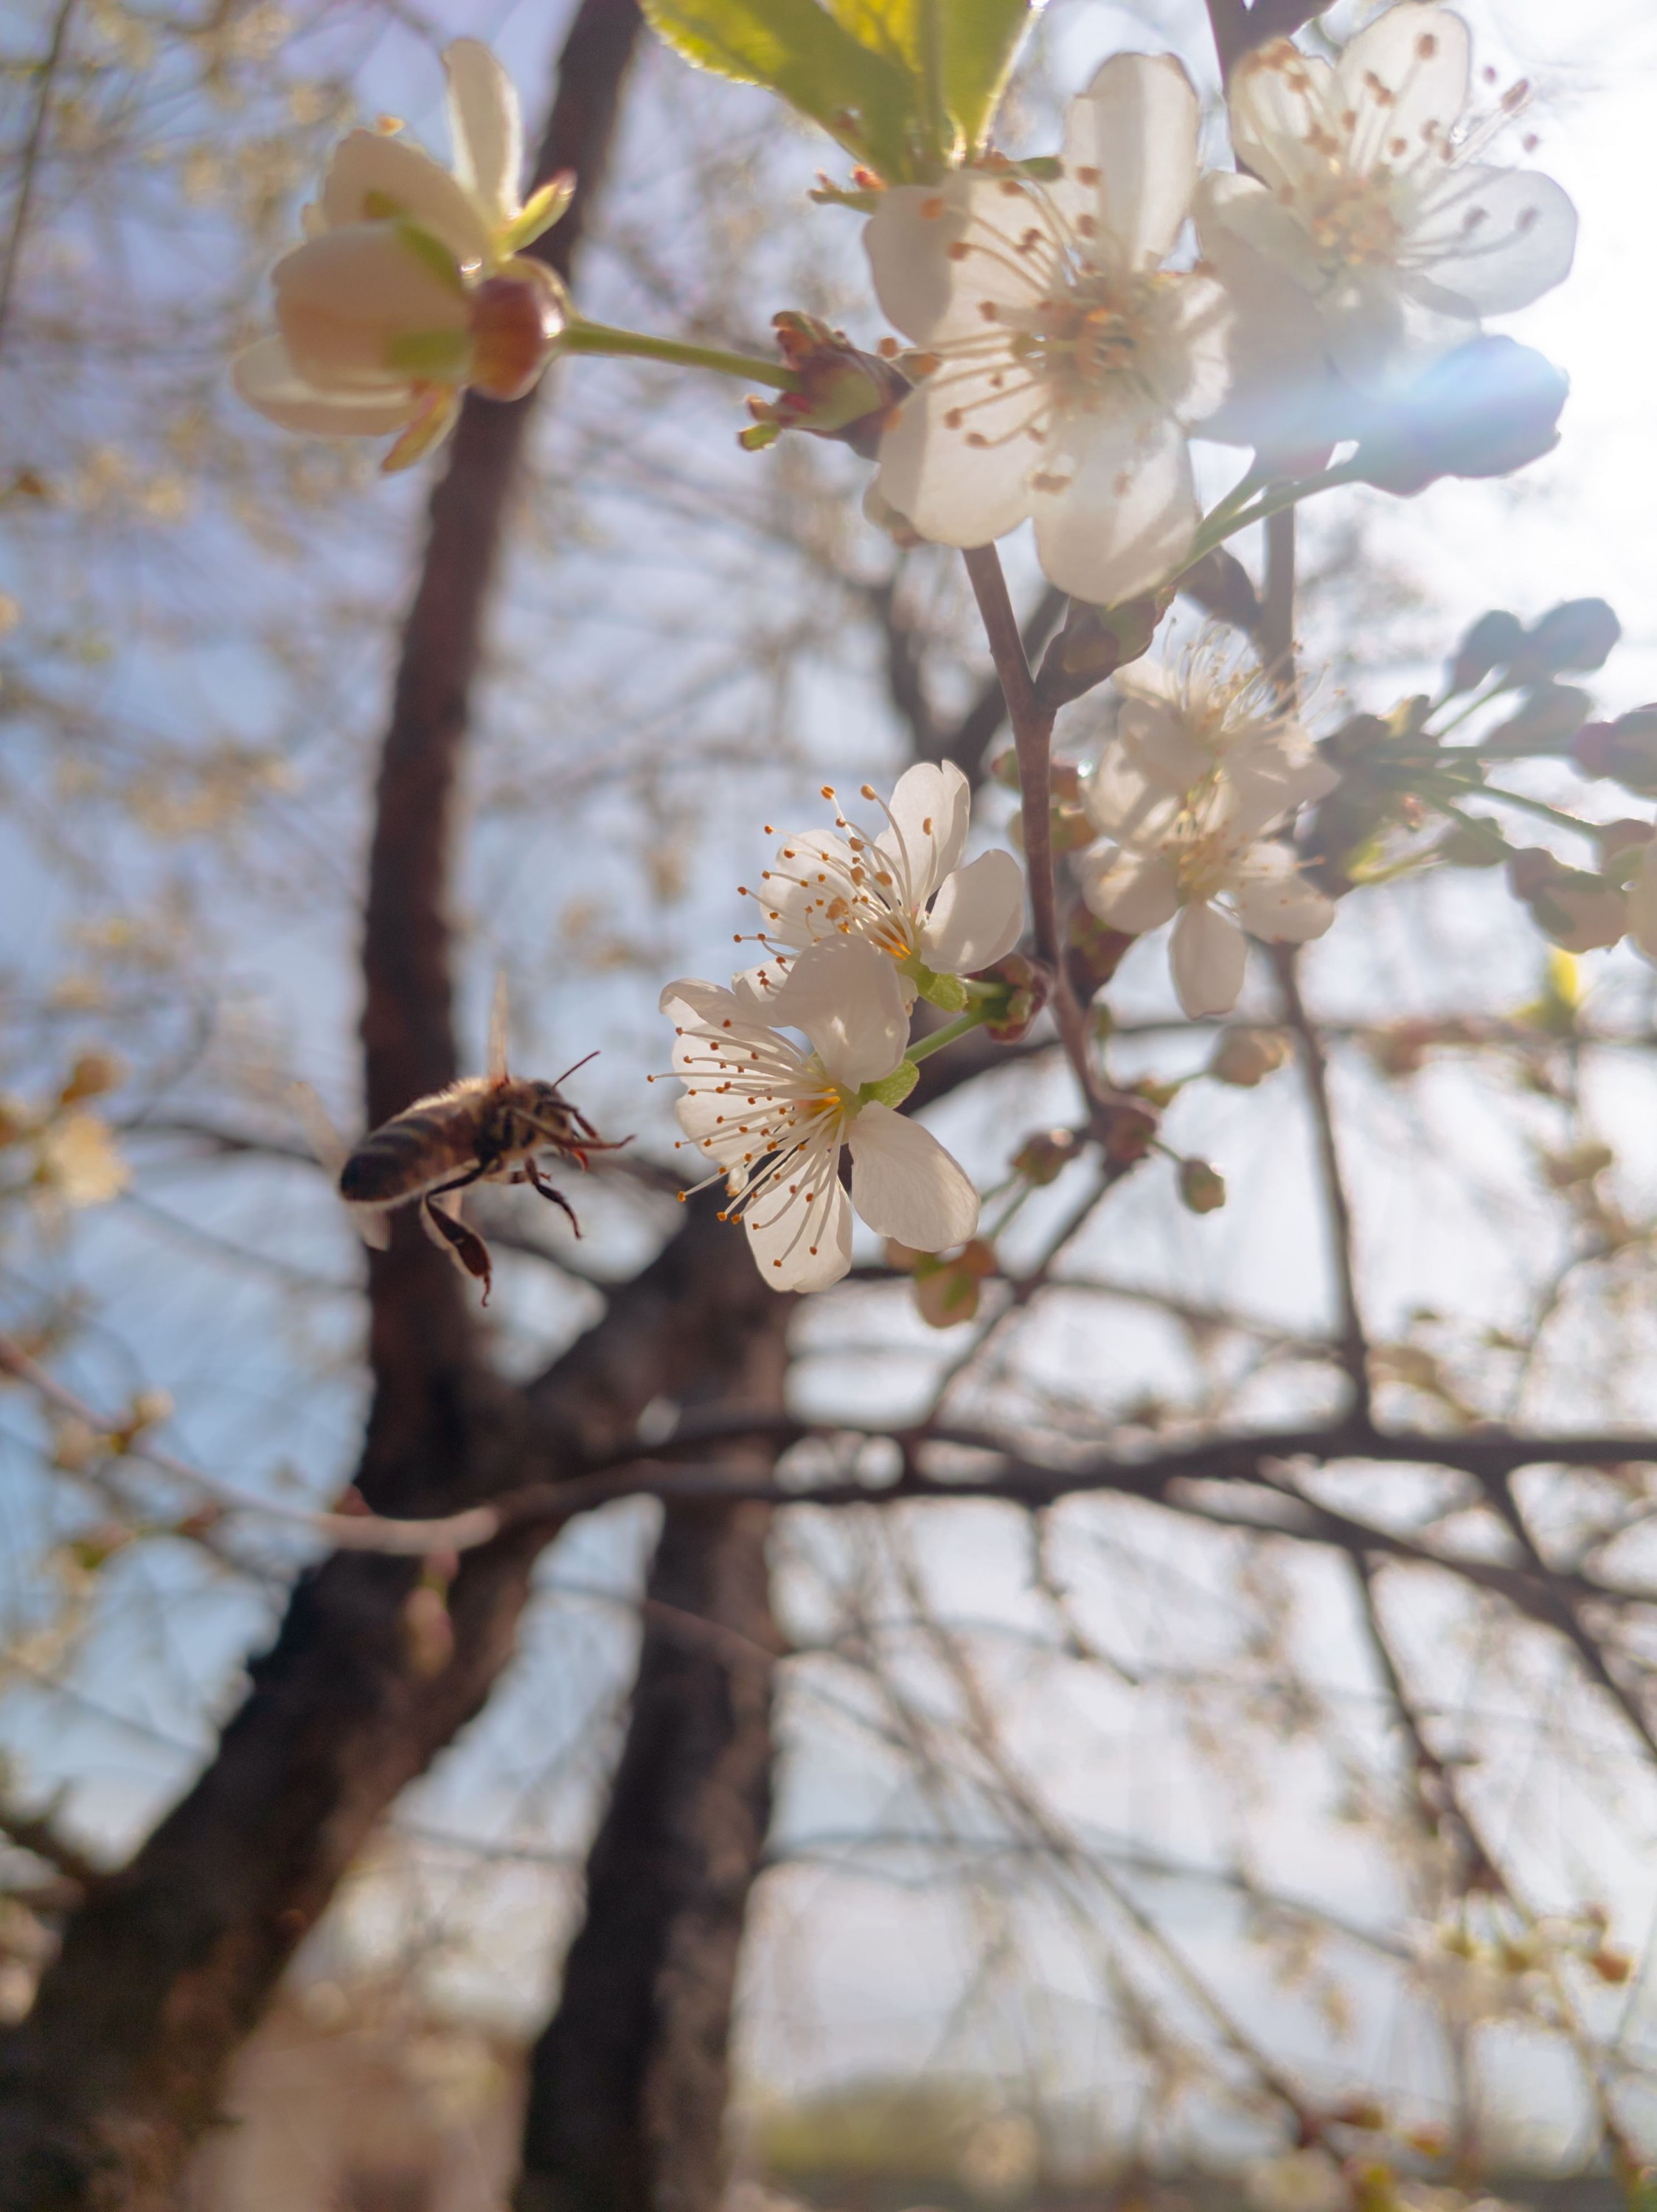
(117, 2071)
(628, 2083)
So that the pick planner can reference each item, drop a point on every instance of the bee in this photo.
(485, 1128)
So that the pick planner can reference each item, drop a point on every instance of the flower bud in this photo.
(1493, 642)
(1026, 985)
(1095, 642)
(947, 1291)
(1578, 635)
(1482, 410)
(1625, 750)
(1548, 718)
(843, 393)
(516, 318)
(1201, 1188)
(93, 1073)
(1244, 1057)
(1042, 1159)
(1577, 911)
(427, 1631)
(1093, 952)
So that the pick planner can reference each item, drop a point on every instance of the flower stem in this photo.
(1226, 521)
(581, 337)
(1032, 732)
(935, 1040)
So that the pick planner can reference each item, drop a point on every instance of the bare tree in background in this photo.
(1272, 1444)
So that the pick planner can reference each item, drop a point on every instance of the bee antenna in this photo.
(581, 1063)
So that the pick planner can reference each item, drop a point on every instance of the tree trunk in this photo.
(166, 1967)
(628, 2083)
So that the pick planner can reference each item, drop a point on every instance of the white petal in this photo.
(1135, 126)
(1188, 350)
(711, 1119)
(931, 810)
(1126, 516)
(906, 1185)
(484, 126)
(1135, 891)
(371, 175)
(1283, 397)
(690, 1000)
(343, 299)
(1376, 339)
(932, 294)
(957, 459)
(1275, 900)
(1643, 903)
(1267, 780)
(1208, 953)
(798, 1247)
(1422, 56)
(1162, 749)
(265, 376)
(1279, 98)
(977, 916)
(847, 997)
(806, 878)
(1128, 799)
(1238, 214)
(1491, 240)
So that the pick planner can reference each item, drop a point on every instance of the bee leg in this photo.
(557, 1197)
(464, 1245)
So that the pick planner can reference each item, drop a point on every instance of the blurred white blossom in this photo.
(1368, 229)
(1204, 761)
(411, 284)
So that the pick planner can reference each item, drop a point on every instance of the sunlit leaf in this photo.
(961, 52)
(860, 95)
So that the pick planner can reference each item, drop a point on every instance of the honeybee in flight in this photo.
(485, 1128)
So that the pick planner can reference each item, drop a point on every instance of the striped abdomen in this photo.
(427, 1143)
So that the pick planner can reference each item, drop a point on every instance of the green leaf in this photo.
(959, 52)
(859, 94)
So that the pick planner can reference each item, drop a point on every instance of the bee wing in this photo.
(372, 1223)
(332, 1151)
(497, 1027)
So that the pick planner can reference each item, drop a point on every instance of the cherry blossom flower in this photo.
(774, 1118)
(1204, 761)
(901, 887)
(1069, 360)
(1369, 225)
(411, 284)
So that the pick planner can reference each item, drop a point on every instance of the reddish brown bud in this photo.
(1043, 1157)
(516, 321)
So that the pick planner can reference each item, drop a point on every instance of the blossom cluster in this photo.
(1068, 351)
(860, 923)
(1206, 762)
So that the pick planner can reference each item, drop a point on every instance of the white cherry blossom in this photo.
(899, 886)
(410, 285)
(1203, 763)
(1070, 360)
(774, 1118)
(1368, 199)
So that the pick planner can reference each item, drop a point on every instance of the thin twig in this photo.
(1352, 1346)
(30, 162)
(1032, 732)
